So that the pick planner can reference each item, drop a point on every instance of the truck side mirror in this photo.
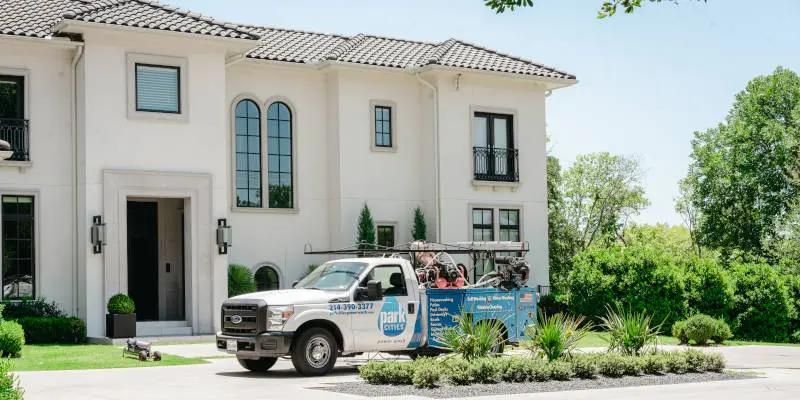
(294, 284)
(374, 291)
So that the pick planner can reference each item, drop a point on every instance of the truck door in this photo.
(393, 322)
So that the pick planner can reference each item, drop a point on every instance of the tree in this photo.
(690, 215)
(607, 9)
(741, 177)
(561, 241)
(419, 231)
(366, 229)
(601, 192)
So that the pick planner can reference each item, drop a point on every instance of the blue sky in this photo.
(647, 80)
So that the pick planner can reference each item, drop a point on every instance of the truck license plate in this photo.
(232, 346)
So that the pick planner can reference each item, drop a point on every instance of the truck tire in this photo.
(263, 364)
(314, 353)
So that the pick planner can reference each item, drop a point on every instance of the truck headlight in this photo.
(277, 316)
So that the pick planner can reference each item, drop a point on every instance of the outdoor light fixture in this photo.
(98, 234)
(223, 236)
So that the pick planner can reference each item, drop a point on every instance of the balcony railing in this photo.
(495, 164)
(15, 132)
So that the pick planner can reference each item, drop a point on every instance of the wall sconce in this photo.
(224, 236)
(98, 234)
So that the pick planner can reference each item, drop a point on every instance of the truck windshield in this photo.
(332, 276)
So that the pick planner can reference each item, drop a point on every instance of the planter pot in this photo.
(120, 326)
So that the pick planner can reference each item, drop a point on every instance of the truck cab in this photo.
(342, 307)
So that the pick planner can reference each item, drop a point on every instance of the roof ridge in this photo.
(441, 49)
(275, 28)
(343, 48)
(90, 6)
(513, 57)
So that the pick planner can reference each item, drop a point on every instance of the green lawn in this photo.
(61, 357)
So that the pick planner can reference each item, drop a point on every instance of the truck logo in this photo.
(236, 319)
(392, 318)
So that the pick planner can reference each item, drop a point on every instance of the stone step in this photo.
(163, 328)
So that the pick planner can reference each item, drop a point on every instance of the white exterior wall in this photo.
(48, 176)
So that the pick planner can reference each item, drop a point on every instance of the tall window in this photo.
(493, 146)
(12, 97)
(509, 225)
(158, 88)
(18, 247)
(386, 235)
(483, 231)
(383, 126)
(279, 149)
(248, 154)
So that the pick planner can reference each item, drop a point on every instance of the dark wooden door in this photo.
(143, 258)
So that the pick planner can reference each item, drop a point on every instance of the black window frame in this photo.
(390, 132)
(382, 227)
(247, 154)
(490, 117)
(273, 152)
(136, 88)
(492, 163)
(483, 226)
(19, 80)
(17, 217)
(371, 275)
(509, 227)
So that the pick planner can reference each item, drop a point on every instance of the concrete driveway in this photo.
(222, 378)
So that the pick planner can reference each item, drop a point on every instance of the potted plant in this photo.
(121, 317)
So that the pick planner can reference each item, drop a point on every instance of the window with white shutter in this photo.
(158, 88)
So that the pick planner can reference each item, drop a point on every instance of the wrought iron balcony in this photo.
(495, 164)
(15, 132)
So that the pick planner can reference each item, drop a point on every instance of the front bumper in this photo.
(269, 344)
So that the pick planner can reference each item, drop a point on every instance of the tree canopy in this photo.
(607, 9)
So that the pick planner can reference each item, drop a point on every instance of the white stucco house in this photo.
(162, 124)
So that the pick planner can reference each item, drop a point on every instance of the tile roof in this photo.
(37, 18)
(308, 47)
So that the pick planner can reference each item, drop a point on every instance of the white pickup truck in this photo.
(352, 306)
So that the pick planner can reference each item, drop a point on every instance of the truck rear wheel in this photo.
(262, 364)
(314, 353)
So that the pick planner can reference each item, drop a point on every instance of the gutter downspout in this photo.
(436, 163)
(74, 133)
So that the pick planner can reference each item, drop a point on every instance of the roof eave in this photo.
(550, 83)
(47, 40)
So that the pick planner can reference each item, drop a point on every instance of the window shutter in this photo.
(158, 88)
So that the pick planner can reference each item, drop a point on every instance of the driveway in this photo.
(222, 378)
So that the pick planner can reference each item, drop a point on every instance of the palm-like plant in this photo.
(556, 335)
(472, 339)
(630, 332)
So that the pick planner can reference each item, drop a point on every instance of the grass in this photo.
(64, 357)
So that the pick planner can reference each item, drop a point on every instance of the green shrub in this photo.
(675, 362)
(584, 367)
(700, 328)
(387, 372)
(653, 364)
(550, 304)
(695, 360)
(762, 308)
(485, 370)
(12, 338)
(121, 303)
(679, 332)
(795, 337)
(457, 371)
(555, 336)
(630, 332)
(471, 339)
(560, 370)
(714, 362)
(30, 308)
(427, 372)
(612, 365)
(50, 330)
(641, 277)
(240, 280)
(709, 288)
(515, 369)
(9, 383)
(540, 371)
(722, 331)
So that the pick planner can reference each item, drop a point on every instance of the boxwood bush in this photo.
(12, 338)
(121, 303)
(47, 330)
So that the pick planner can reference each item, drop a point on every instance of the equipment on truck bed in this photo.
(435, 266)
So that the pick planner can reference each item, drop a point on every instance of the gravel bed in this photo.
(446, 391)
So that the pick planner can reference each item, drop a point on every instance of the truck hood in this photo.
(293, 296)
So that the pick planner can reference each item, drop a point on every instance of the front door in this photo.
(393, 325)
(143, 258)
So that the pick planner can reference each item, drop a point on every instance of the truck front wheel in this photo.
(315, 352)
(262, 364)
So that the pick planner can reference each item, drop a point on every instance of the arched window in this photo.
(279, 158)
(248, 154)
(267, 279)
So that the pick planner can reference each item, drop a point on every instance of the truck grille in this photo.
(240, 319)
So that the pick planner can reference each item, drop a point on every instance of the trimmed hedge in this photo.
(12, 338)
(701, 328)
(428, 372)
(121, 303)
(48, 330)
(30, 308)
